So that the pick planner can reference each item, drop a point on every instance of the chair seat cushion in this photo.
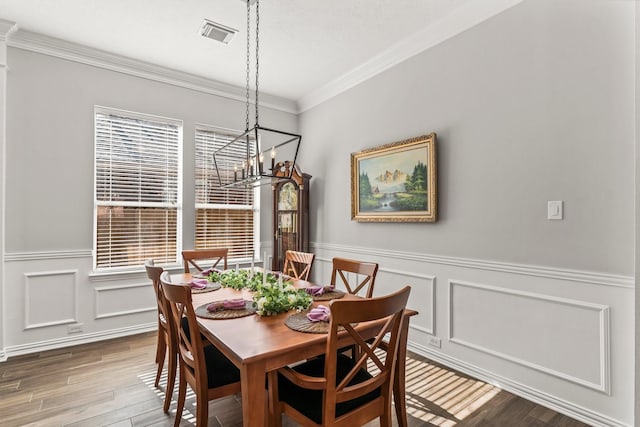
(220, 370)
(309, 402)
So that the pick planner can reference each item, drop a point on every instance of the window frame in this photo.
(255, 208)
(179, 188)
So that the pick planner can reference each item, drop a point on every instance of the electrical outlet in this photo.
(435, 342)
(74, 329)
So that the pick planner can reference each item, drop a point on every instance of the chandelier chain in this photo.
(257, 55)
(248, 90)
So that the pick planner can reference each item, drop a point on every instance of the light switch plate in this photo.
(555, 209)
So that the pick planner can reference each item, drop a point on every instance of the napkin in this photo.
(228, 304)
(319, 314)
(198, 283)
(209, 271)
(316, 291)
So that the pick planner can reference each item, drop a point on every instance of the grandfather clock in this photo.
(290, 212)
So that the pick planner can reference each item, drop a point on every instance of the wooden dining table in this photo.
(259, 344)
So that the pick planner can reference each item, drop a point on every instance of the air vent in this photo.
(217, 31)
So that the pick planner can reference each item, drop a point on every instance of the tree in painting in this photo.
(367, 199)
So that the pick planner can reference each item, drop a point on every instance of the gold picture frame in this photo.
(395, 182)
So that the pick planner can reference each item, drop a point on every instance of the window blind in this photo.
(137, 189)
(225, 217)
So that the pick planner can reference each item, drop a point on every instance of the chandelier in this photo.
(259, 154)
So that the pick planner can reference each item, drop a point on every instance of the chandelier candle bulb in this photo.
(235, 172)
(273, 158)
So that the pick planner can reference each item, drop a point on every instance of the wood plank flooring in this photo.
(110, 383)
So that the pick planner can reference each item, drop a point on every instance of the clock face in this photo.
(288, 197)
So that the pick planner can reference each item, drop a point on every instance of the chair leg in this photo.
(161, 350)
(202, 408)
(182, 394)
(171, 379)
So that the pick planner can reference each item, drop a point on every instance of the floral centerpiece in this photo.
(273, 298)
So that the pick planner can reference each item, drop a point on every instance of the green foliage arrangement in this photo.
(273, 298)
(241, 279)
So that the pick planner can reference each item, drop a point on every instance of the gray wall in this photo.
(50, 143)
(534, 104)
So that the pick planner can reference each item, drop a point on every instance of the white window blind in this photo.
(225, 217)
(137, 189)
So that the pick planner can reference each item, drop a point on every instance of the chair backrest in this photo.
(298, 264)
(154, 274)
(190, 345)
(214, 255)
(366, 269)
(346, 313)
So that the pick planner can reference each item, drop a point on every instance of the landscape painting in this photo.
(395, 182)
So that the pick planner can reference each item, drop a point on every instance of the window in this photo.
(225, 217)
(137, 189)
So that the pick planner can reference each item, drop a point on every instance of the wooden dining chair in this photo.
(366, 269)
(165, 342)
(214, 255)
(298, 264)
(335, 390)
(203, 367)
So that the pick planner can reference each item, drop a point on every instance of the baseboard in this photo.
(562, 406)
(75, 340)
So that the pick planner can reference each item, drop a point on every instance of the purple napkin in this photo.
(209, 271)
(316, 291)
(198, 283)
(228, 304)
(319, 314)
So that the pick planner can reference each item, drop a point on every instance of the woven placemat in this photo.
(210, 288)
(299, 322)
(329, 296)
(202, 311)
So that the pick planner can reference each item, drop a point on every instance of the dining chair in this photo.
(165, 340)
(298, 264)
(214, 255)
(366, 269)
(203, 367)
(335, 390)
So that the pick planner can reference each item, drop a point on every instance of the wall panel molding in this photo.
(101, 295)
(602, 311)
(595, 278)
(36, 304)
(560, 405)
(46, 255)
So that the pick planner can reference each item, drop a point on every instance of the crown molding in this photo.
(6, 28)
(59, 48)
(461, 19)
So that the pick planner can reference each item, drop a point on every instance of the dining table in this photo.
(259, 344)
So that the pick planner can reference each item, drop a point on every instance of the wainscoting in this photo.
(560, 338)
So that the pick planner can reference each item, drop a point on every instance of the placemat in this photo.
(299, 322)
(202, 311)
(210, 288)
(329, 296)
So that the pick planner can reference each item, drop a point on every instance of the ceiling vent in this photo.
(217, 31)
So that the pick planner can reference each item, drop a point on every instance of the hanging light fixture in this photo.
(259, 154)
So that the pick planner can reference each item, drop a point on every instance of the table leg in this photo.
(254, 401)
(399, 385)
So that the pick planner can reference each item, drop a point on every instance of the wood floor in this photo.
(110, 383)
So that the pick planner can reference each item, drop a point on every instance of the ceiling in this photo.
(305, 46)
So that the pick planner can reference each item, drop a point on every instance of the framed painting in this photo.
(395, 182)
